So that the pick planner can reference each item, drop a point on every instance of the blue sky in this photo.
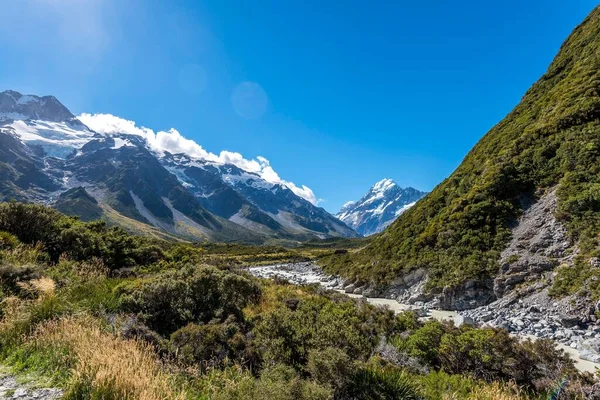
(336, 98)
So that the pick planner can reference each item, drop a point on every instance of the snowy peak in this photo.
(377, 209)
(17, 106)
(383, 186)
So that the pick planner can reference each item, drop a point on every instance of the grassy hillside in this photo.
(551, 138)
(105, 315)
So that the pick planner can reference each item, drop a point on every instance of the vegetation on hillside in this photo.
(551, 138)
(106, 315)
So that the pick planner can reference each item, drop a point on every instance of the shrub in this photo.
(424, 343)
(333, 368)
(212, 345)
(492, 354)
(12, 276)
(286, 337)
(173, 299)
(8, 241)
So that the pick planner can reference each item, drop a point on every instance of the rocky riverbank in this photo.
(533, 315)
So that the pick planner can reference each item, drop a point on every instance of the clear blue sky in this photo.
(357, 91)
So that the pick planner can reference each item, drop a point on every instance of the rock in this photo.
(568, 321)
(486, 316)
(349, 289)
(359, 290)
(371, 292)
(590, 350)
(595, 262)
(460, 320)
(519, 323)
(292, 304)
(471, 294)
(534, 309)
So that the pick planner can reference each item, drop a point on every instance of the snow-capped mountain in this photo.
(48, 155)
(382, 204)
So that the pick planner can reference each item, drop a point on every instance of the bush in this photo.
(173, 299)
(492, 354)
(332, 368)
(212, 345)
(12, 276)
(8, 241)
(286, 337)
(424, 343)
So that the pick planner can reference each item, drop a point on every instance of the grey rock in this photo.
(460, 320)
(569, 321)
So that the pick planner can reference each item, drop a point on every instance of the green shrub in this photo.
(278, 382)
(8, 241)
(213, 345)
(286, 337)
(333, 368)
(173, 299)
(424, 343)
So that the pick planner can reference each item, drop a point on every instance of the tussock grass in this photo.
(106, 366)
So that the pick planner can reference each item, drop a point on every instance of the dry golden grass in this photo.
(106, 365)
(42, 287)
(496, 391)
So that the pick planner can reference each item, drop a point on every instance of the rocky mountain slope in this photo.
(455, 244)
(48, 155)
(379, 207)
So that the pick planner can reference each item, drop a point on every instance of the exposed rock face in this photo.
(409, 288)
(469, 295)
(539, 243)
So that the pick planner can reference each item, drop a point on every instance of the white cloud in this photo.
(173, 142)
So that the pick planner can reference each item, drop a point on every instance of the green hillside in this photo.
(551, 138)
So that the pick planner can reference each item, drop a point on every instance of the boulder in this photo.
(371, 292)
(460, 320)
(590, 350)
(569, 320)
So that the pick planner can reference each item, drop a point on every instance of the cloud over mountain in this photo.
(173, 142)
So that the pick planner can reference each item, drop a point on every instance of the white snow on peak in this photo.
(383, 185)
(58, 139)
(121, 143)
(348, 204)
(26, 99)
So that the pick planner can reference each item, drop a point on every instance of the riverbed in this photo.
(308, 273)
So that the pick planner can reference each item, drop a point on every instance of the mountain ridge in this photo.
(48, 153)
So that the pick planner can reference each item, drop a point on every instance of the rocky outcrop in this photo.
(471, 294)
(538, 243)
